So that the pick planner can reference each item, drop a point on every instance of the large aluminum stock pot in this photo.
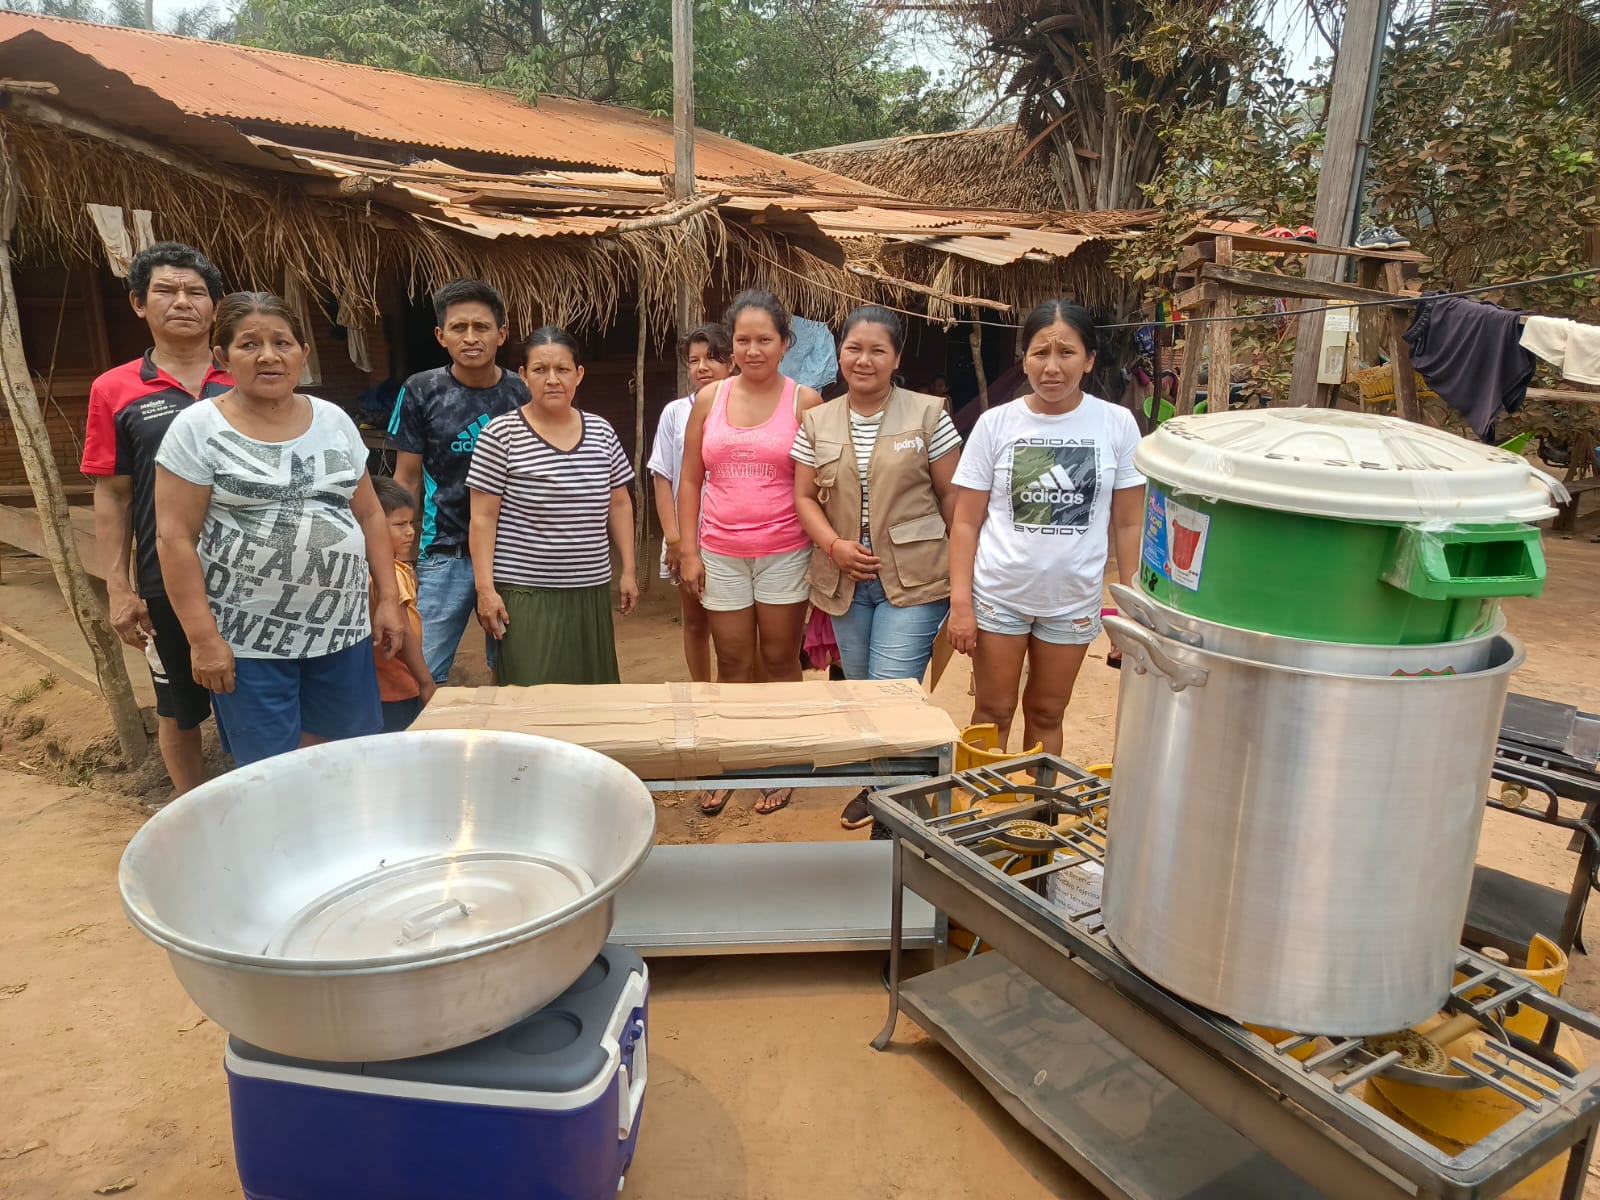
(1294, 848)
(1348, 658)
(389, 896)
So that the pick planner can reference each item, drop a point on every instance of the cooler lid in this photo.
(1355, 466)
(557, 1049)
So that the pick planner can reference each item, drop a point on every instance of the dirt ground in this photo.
(762, 1083)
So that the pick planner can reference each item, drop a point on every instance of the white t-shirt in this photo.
(284, 558)
(666, 452)
(1042, 547)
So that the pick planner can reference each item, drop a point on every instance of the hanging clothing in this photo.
(812, 360)
(1469, 353)
(1570, 346)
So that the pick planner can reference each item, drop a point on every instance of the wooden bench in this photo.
(1567, 514)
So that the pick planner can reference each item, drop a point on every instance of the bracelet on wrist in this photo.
(831, 545)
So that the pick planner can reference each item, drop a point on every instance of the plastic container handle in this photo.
(1143, 649)
(631, 1093)
(1421, 565)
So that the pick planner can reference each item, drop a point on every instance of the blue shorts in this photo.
(274, 700)
(1058, 631)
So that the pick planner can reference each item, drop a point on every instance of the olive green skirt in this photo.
(557, 635)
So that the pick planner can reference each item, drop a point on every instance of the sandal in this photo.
(716, 805)
(785, 794)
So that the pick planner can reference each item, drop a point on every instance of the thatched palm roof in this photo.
(978, 168)
(98, 116)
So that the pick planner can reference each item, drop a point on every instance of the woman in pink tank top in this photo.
(745, 553)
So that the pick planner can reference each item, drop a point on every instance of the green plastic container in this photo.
(1336, 526)
(1330, 580)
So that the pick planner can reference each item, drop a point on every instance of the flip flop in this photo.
(712, 810)
(786, 793)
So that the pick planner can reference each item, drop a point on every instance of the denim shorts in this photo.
(274, 700)
(1058, 631)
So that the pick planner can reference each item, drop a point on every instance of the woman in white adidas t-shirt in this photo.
(1043, 481)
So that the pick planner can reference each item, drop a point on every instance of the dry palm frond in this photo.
(976, 168)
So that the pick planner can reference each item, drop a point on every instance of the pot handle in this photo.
(1133, 601)
(1143, 650)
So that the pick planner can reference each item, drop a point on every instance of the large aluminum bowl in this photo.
(389, 896)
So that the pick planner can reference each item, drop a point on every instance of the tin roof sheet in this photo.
(245, 84)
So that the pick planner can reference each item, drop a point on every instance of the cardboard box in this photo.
(684, 730)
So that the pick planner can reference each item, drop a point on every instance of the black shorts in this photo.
(177, 694)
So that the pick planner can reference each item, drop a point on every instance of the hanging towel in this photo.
(1570, 346)
(1469, 353)
(110, 224)
(144, 229)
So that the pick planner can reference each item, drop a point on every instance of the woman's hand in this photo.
(674, 557)
(855, 560)
(492, 614)
(388, 628)
(962, 629)
(692, 573)
(628, 593)
(211, 663)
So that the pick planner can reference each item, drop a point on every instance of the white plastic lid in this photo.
(1332, 463)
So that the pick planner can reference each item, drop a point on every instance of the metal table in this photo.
(1058, 974)
(777, 897)
(1546, 754)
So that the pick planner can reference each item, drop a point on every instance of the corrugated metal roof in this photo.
(239, 83)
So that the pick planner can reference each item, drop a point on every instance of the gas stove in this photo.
(1296, 1096)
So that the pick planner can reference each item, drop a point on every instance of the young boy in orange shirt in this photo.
(404, 682)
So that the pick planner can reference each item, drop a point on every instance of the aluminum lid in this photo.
(430, 905)
(1355, 466)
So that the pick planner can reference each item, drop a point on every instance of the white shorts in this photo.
(1058, 631)
(733, 584)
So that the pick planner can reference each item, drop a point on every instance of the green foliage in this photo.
(1484, 153)
(783, 74)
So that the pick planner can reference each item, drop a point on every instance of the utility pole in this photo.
(1352, 97)
(689, 307)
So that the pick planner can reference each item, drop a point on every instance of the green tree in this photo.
(784, 74)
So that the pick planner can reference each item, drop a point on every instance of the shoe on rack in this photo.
(856, 814)
(1373, 237)
(1395, 239)
(1278, 231)
(1305, 234)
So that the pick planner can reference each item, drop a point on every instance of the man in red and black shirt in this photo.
(174, 289)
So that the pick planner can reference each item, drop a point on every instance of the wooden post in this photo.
(690, 307)
(975, 340)
(1219, 389)
(1352, 94)
(1370, 322)
(33, 441)
(1406, 401)
(641, 519)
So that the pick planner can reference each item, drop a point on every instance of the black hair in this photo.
(552, 335)
(236, 306)
(715, 335)
(468, 291)
(393, 496)
(876, 314)
(767, 303)
(1074, 316)
(172, 254)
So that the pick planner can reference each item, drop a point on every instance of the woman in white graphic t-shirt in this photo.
(1044, 480)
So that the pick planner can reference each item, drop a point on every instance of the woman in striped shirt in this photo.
(550, 494)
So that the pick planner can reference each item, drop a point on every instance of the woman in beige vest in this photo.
(872, 486)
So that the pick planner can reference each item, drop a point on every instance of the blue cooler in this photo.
(545, 1110)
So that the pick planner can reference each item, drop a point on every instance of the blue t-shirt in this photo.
(440, 418)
